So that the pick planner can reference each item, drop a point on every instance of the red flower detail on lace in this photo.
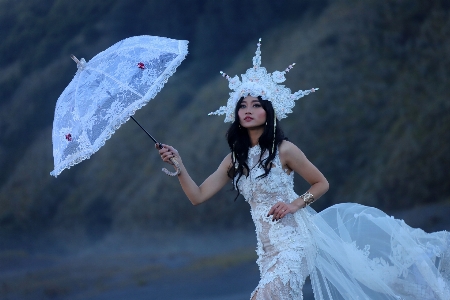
(141, 66)
(69, 137)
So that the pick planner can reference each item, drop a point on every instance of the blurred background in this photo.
(115, 227)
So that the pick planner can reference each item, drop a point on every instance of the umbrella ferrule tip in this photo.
(80, 63)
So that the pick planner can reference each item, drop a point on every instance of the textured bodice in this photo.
(278, 185)
(281, 245)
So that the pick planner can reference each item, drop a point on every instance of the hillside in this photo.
(377, 128)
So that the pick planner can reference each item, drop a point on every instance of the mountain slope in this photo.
(376, 128)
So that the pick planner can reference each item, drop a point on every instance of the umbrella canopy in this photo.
(107, 91)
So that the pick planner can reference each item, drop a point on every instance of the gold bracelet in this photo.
(308, 198)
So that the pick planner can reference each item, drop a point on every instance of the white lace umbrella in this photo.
(107, 91)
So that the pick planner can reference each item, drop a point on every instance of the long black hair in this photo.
(239, 143)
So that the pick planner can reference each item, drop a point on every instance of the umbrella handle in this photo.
(173, 160)
(177, 166)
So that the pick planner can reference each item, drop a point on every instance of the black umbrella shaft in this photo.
(156, 142)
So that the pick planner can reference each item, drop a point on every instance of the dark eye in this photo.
(257, 105)
(241, 106)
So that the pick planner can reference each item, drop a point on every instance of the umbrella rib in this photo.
(116, 81)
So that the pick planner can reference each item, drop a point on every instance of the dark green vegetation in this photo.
(377, 128)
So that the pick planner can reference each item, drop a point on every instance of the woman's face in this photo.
(251, 113)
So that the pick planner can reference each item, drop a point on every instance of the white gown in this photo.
(350, 251)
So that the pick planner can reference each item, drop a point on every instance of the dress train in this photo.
(362, 253)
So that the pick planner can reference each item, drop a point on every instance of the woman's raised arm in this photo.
(198, 194)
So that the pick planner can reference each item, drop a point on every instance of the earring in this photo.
(274, 130)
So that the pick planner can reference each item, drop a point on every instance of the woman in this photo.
(350, 251)
(273, 209)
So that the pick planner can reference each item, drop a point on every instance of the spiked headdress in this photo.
(257, 82)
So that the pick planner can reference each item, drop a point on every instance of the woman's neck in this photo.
(255, 134)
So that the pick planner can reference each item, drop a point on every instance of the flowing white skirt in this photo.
(362, 253)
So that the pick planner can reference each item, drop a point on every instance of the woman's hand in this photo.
(281, 209)
(167, 152)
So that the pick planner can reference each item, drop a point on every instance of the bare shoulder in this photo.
(287, 148)
(226, 162)
(290, 154)
(227, 158)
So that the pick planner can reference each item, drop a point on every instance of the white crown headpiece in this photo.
(257, 82)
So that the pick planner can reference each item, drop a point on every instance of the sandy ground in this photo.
(216, 265)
